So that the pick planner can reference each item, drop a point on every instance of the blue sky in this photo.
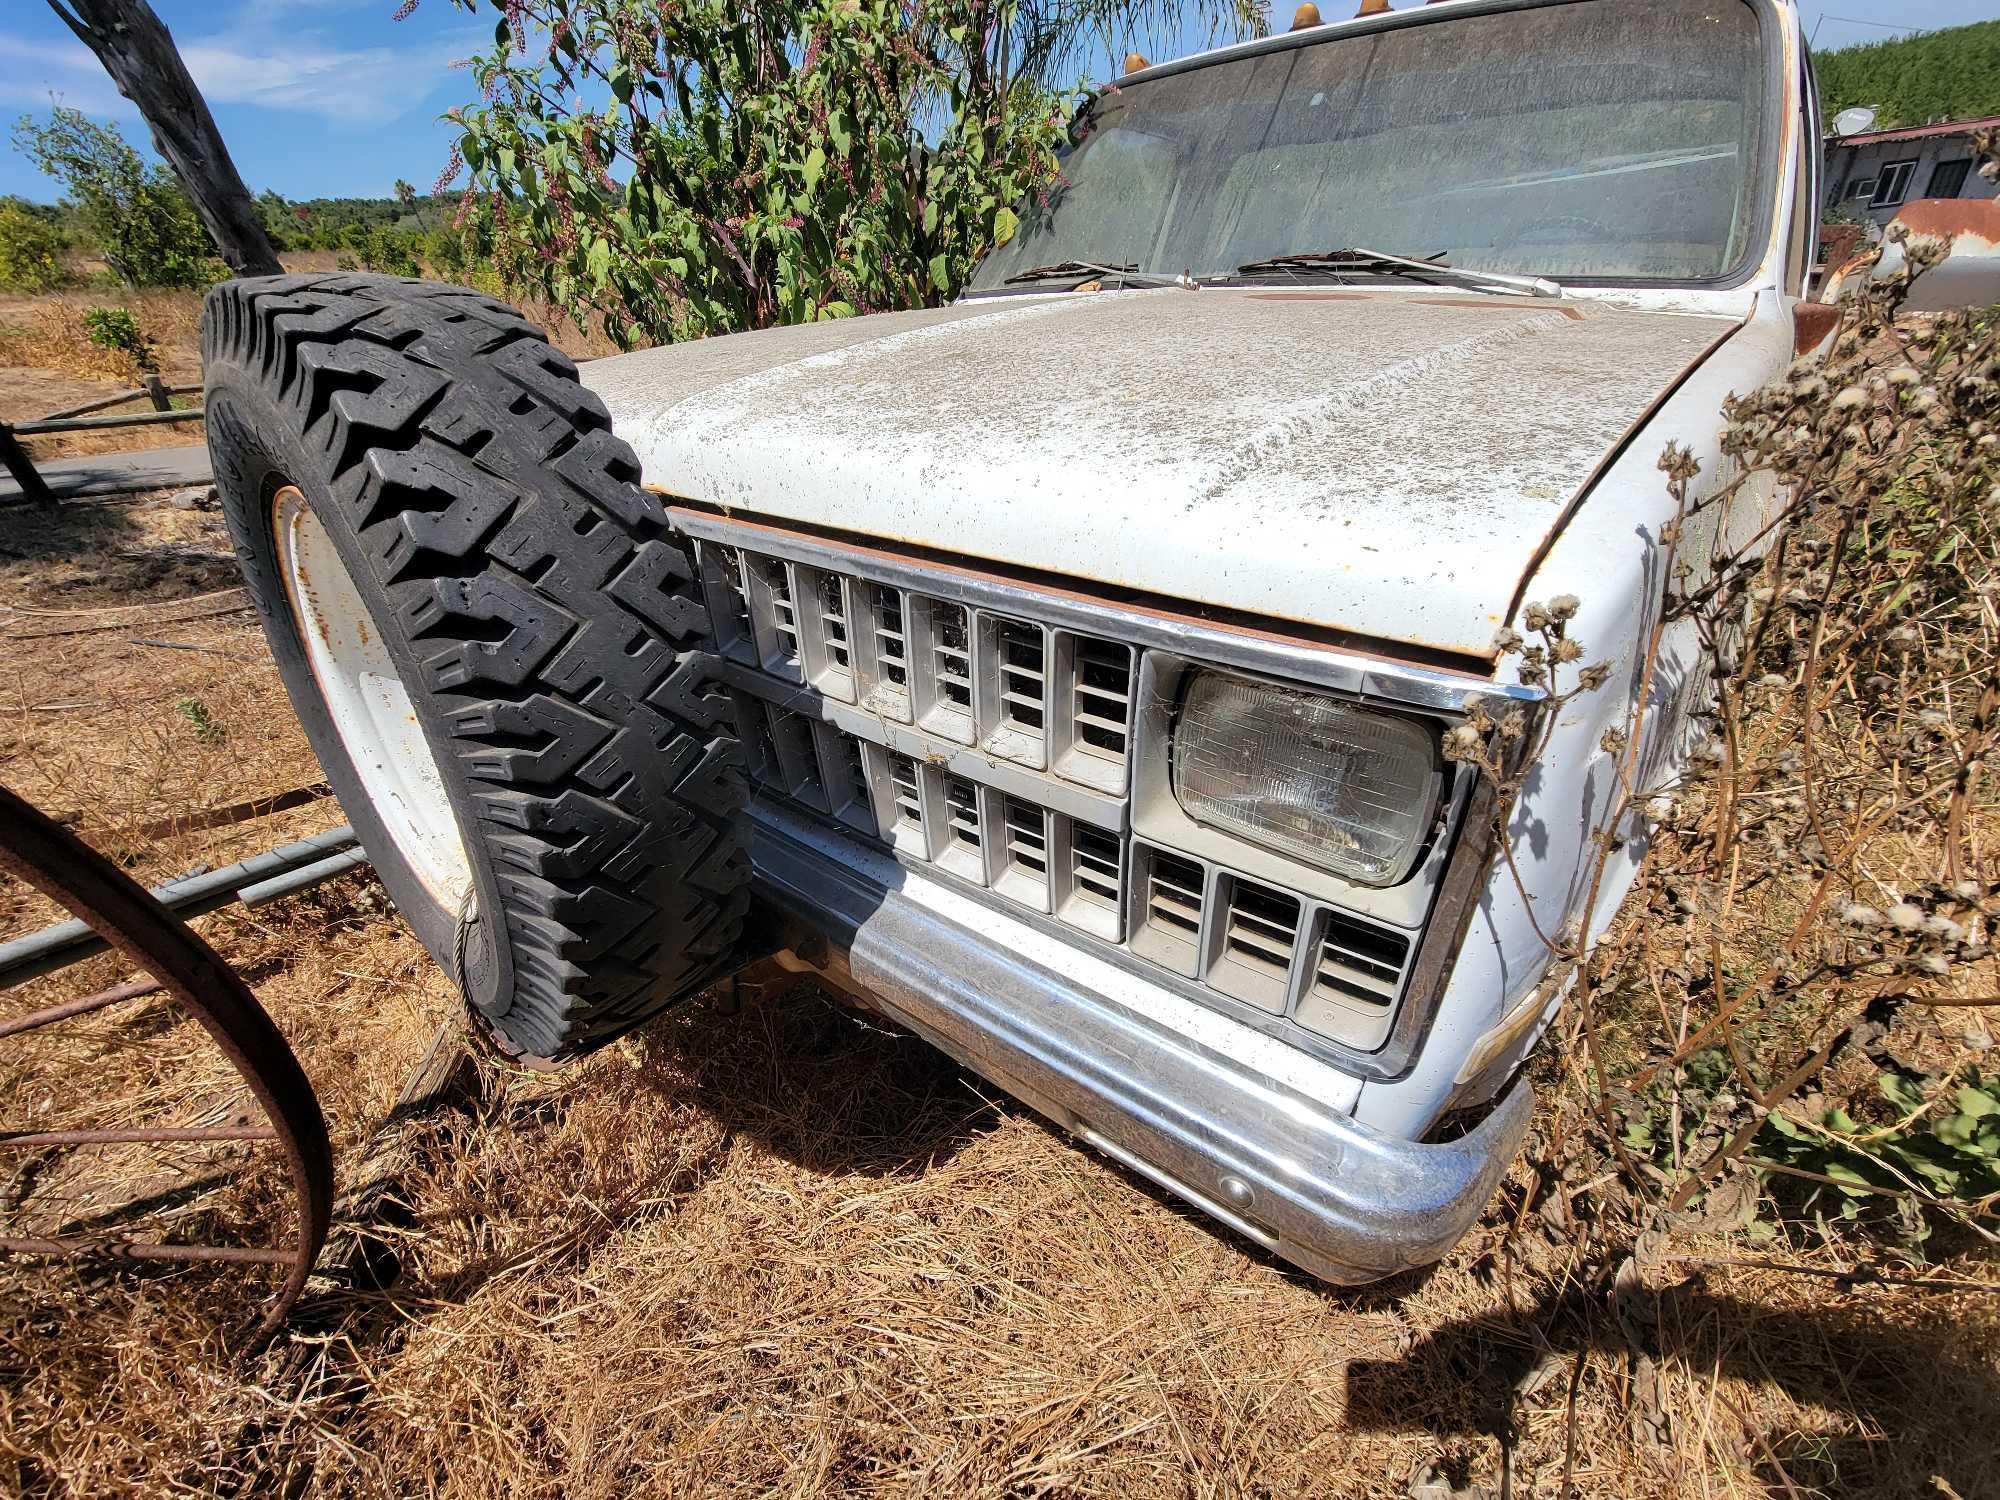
(331, 98)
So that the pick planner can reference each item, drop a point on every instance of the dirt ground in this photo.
(48, 364)
(788, 1251)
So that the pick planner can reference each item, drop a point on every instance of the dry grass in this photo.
(47, 362)
(791, 1252)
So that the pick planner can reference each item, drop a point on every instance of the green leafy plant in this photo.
(196, 713)
(1949, 74)
(383, 247)
(1944, 1143)
(785, 162)
(116, 329)
(31, 250)
(136, 215)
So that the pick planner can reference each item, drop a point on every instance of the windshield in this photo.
(1607, 139)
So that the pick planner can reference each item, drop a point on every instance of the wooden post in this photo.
(33, 486)
(140, 56)
(157, 389)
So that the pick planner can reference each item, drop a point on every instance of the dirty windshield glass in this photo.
(1614, 139)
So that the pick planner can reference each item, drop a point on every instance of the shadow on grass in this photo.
(81, 553)
(821, 1085)
(1929, 1389)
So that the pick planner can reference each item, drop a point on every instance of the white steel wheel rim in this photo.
(367, 702)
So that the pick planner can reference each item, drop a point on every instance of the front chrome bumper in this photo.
(1289, 1170)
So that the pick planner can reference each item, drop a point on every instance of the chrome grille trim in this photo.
(1339, 669)
(997, 750)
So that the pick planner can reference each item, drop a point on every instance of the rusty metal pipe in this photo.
(65, 943)
(15, 1139)
(48, 1015)
(143, 1250)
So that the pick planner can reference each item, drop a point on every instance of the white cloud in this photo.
(69, 71)
(366, 85)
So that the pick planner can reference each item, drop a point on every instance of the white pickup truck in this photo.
(1065, 672)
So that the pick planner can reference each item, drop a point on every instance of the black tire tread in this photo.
(556, 618)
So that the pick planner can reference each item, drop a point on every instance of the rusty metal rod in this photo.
(50, 1014)
(64, 943)
(92, 424)
(140, 1135)
(143, 1250)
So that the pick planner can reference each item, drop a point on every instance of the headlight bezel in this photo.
(1158, 817)
(1423, 738)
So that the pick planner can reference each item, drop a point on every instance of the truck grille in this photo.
(997, 750)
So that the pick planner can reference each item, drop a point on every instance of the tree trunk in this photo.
(140, 56)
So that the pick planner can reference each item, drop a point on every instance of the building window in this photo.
(1861, 187)
(1893, 186)
(1948, 179)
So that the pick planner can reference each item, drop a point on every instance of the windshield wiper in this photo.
(1382, 263)
(1077, 270)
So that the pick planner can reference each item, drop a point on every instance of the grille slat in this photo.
(947, 709)
(798, 758)
(847, 781)
(953, 658)
(964, 834)
(961, 800)
(833, 620)
(1027, 843)
(909, 798)
(891, 691)
(1168, 921)
(1096, 895)
(1260, 932)
(1360, 963)
(1024, 853)
(1017, 685)
(728, 599)
(1098, 681)
(774, 607)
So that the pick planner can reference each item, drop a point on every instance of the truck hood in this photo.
(1385, 464)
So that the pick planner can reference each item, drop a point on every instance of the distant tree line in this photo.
(1952, 74)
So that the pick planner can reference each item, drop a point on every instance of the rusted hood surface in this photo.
(1381, 463)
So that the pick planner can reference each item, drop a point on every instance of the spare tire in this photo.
(493, 640)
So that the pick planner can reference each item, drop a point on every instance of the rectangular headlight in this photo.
(1339, 787)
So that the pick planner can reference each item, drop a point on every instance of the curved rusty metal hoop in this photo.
(36, 849)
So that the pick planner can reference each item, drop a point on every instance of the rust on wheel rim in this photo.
(37, 850)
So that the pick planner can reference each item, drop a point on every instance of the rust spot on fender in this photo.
(1956, 219)
(1811, 323)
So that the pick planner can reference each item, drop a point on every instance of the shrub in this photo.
(783, 162)
(1779, 1000)
(31, 251)
(137, 215)
(116, 329)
